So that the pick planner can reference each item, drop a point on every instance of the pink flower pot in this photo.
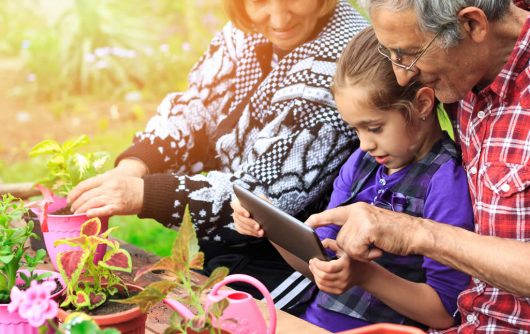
(12, 323)
(65, 226)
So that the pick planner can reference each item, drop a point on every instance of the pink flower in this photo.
(34, 304)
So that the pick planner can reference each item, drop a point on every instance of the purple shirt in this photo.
(447, 200)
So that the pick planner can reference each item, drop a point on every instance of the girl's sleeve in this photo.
(342, 187)
(177, 137)
(448, 201)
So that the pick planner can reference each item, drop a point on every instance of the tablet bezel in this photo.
(281, 228)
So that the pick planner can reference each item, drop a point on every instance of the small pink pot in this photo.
(12, 323)
(65, 226)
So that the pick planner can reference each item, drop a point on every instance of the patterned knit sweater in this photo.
(286, 139)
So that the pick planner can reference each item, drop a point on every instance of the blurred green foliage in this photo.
(106, 47)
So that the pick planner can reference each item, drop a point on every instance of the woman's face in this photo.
(286, 23)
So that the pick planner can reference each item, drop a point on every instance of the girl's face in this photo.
(286, 23)
(384, 134)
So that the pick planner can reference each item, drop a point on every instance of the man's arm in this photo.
(367, 230)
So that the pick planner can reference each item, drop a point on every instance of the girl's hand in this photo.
(244, 224)
(337, 276)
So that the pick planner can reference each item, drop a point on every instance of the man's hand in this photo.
(367, 230)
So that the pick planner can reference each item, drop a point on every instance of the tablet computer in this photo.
(281, 228)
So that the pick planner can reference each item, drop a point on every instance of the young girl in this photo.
(405, 163)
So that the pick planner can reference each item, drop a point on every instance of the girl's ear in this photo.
(424, 101)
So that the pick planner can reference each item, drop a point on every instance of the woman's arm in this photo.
(178, 136)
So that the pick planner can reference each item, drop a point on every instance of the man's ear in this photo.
(424, 102)
(474, 23)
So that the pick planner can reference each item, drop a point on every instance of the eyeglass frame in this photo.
(410, 67)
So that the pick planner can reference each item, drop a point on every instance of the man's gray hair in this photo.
(441, 15)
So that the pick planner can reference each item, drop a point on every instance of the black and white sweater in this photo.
(282, 137)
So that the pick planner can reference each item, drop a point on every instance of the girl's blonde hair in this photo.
(360, 64)
(235, 9)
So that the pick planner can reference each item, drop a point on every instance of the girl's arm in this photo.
(417, 301)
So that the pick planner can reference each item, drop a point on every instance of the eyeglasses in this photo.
(398, 59)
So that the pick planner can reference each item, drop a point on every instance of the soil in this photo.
(110, 307)
(64, 211)
(59, 287)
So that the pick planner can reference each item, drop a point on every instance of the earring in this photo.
(423, 118)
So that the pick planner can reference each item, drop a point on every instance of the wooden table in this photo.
(159, 315)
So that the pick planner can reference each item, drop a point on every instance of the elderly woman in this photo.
(258, 112)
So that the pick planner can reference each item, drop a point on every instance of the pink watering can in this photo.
(242, 314)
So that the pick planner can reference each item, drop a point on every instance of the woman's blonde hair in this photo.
(235, 9)
(360, 64)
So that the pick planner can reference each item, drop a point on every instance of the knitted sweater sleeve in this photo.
(177, 137)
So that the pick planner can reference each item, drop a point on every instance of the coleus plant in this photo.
(185, 256)
(66, 166)
(89, 285)
(13, 253)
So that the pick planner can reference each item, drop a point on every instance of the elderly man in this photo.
(475, 54)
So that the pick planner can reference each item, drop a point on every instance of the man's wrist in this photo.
(424, 238)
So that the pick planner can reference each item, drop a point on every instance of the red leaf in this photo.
(91, 227)
(69, 261)
(117, 260)
(80, 299)
(96, 299)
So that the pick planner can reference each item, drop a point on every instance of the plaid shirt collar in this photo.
(516, 64)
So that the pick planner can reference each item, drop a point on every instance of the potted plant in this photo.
(219, 311)
(185, 256)
(18, 268)
(66, 168)
(92, 287)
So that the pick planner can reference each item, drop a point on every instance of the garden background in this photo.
(98, 67)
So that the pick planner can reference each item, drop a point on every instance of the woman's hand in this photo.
(337, 276)
(244, 224)
(111, 193)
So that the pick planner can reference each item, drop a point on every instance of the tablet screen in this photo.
(282, 228)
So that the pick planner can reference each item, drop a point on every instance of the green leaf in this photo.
(216, 276)
(72, 144)
(150, 296)
(45, 147)
(6, 258)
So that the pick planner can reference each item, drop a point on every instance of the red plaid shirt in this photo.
(494, 132)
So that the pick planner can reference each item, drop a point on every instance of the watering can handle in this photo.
(271, 329)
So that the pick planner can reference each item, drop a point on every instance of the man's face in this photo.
(451, 73)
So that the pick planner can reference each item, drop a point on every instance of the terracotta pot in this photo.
(12, 323)
(127, 322)
(384, 328)
(65, 226)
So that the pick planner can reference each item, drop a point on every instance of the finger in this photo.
(337, 216)
(330, 267)
(105, 211)
(83, 187)
(331, 244)
(236, 206)
(80, 204)
(94, 202)
(246, 229)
